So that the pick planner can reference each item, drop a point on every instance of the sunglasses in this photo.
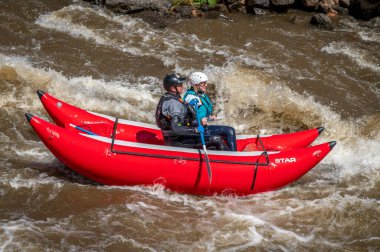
(203, 84)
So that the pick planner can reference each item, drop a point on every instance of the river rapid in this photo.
(267, 75)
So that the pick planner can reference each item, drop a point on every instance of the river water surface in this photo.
(267, 75)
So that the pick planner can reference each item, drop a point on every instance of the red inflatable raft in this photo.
(127, 161)
(65, 115)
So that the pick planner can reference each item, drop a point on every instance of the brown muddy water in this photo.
(267, 75)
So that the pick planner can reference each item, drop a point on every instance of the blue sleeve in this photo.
(202, 111)
(207, 107)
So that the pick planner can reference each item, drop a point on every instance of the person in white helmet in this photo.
(198, 83)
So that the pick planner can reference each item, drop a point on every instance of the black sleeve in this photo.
(178, 127)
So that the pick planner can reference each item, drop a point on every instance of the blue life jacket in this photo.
(205, 110)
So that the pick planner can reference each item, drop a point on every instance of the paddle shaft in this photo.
(83, 130)
(209, 172)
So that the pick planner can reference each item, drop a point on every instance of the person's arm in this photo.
(176, 112)
(202, 110)
(178, 128)
(207, 107)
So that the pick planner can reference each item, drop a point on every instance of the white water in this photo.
(358, 56)
(334, 207)
(355, 154)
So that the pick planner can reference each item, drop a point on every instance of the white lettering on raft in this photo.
(285, 160)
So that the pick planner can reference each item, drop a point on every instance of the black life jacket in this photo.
(163, 122)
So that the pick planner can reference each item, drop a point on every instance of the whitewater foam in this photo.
(324, 210)
(356, 55)
(126, 97)
(135, 244)
(19, 182)
(237, 90)
(127, 34)
(245, 94)
(369, 36)
(9, 232)
(38, 153)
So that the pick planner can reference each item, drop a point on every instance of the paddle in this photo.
(195, 102)
(83, 130)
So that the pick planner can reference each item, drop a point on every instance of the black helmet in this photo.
(172, 80)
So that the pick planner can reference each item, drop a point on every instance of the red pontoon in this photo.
(65, 114)
(127, 161)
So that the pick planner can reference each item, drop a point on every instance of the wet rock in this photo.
(281, 5)
(341, 10)
(298, 20)
(211, 14)
(309, 4)
(373, 23)
(135, 6)
(252, 5)
(97, 2)
(156, 20)
(184, 11)
(364, 9)
(259, 11)
(205, 8)
(231, 4)
(344, 3)
(321, 20)
(326, 6)
(223, 8)
(237, 6)
(282, 2)
(100, 2)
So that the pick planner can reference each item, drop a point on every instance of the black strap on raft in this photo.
(114, 134)
(257, 164)
(258, 139)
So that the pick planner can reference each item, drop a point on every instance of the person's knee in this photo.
(231, 131)
(215, 139)
(218, 142)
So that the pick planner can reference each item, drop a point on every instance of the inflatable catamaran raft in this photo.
(120, 152)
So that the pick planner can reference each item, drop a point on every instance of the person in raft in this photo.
(178, 120)
(198, 83)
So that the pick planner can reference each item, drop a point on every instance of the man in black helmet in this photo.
(178, 120)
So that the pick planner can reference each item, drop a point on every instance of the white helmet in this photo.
(197, 77)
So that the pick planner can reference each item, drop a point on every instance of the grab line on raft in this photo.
(113, 135)
(265, 153)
